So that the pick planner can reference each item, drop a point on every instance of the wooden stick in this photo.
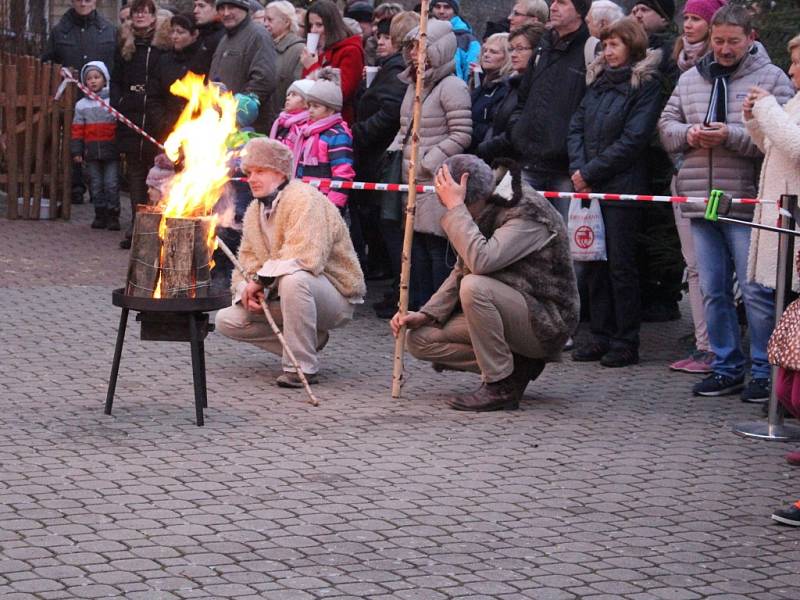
(408, 234)
(273, 325)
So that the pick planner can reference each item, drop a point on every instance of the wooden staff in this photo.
(408, 234)
(273, 325)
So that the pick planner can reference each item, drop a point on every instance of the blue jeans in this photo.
(429, 266)
(103, 183)
(721, 250)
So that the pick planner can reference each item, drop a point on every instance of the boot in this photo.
(526, 370)
(100, 218)
(499, 395)
(112, 223)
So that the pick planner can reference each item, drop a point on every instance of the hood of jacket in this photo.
(100, 66)
(755, 58)
(642, 71)
(441, 51)
(458, 24)
(161, 37)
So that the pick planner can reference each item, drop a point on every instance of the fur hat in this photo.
(704, 9)
(302, 87)
(267, 153)
(480, 185)
(243, 4)
(327, 89)
(666, 8)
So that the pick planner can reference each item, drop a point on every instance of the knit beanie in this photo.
(327, 89)
(302, 87)
(582, 7)
(243, 4)
(385, 27)
(360, 11)
(184, 21)
(454, 4)
(666, 8)
(266, 153)
(704, 9)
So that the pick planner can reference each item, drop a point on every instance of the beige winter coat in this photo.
(446, 125)
(308, 229)
(732, 166)
(776, 130)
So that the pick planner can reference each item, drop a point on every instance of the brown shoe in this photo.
(292, 380)
(500, 395)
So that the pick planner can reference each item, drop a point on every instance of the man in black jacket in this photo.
(82, 35)
(209, 24)
(549, 94)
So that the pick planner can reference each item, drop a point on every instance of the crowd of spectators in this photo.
(582, 96)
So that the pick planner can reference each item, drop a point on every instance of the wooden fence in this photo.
(35, 164)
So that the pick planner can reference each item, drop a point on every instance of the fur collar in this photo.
(642, 71)
(161, 37)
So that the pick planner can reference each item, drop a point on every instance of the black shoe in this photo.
(788, 516)
(125, 243)
(590, 353)
(756, 391)
(76, 199)
(620, 357)
(718, 385)
(112, 223)
(390, 300)
(386, 312)
(100, 218)
(661, 313)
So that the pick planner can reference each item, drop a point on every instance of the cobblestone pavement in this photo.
(608, 484)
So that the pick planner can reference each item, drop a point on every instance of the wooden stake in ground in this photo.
(408, 235)
(273, 325)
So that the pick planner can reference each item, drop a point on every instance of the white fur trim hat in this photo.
(326, 89)
(267, 153)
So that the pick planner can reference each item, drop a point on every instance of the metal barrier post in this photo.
(774, 429)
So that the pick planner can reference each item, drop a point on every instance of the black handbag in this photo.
(391, 171)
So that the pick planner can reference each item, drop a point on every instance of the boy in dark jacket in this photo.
(93, 145)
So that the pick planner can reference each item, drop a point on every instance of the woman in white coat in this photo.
(776, 131)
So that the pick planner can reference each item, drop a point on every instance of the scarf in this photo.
(266, 201)
(691, 53)
(307, 143)
(288, 120)
(144, 33)
(718, 102)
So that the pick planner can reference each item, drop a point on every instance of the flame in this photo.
(199, 142)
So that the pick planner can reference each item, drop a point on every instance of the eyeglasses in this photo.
(519, 49)
(142, 11)
(516, 13)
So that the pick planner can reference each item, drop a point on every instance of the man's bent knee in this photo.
(230, 320)
(473, 287)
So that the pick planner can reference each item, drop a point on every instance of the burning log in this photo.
(145, 260)
(177, 266)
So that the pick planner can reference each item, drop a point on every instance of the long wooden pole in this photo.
(272, 324)
(408, 234)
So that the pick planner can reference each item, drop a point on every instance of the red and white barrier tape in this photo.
(402, 187)
(68, 78)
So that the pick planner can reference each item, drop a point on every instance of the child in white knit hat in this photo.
(324, 148)
(294, 115)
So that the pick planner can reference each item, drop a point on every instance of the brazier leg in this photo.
(112, 381)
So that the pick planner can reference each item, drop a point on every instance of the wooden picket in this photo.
(34, 135)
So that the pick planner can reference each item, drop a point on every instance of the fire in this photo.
(199, 143)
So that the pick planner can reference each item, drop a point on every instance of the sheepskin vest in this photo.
(545, 278)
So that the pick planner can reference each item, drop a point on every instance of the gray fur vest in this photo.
(545, 278)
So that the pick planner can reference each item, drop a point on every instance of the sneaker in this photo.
(292, 380)
(788, 516)
(718, 385)
(569, 344)
(620, 357)
(591, 352)
(698, 362)
(756, 391)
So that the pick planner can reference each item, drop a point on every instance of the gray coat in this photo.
(446, 125)
(245, 62)
(733, 166)
(288, 68)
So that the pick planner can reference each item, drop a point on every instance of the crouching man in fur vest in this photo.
(511, 301)
(297, 244)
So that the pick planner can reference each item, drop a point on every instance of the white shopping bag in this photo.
(587, 235)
